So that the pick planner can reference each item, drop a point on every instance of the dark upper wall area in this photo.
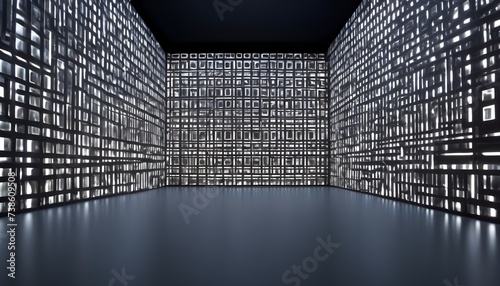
(245, 25)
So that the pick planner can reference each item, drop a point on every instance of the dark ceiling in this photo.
(245, 25)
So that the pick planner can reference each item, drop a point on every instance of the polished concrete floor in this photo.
(251, 236)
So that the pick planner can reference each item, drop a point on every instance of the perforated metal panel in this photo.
(82, 101)
(414, 98)
(247, 119)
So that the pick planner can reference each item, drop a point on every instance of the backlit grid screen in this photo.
(82, 101)
(414, 96)
(247, 119)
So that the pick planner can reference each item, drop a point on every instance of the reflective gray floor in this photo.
(251, 236)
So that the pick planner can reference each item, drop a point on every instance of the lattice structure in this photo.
(82, 101)
(412, 106)
(247, 119)
(414, 102)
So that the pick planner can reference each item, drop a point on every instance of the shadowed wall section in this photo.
(82, 101)
(414, 99)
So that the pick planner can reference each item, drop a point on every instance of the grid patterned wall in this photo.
(82, 101)
(247, 119)
(414, 103)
